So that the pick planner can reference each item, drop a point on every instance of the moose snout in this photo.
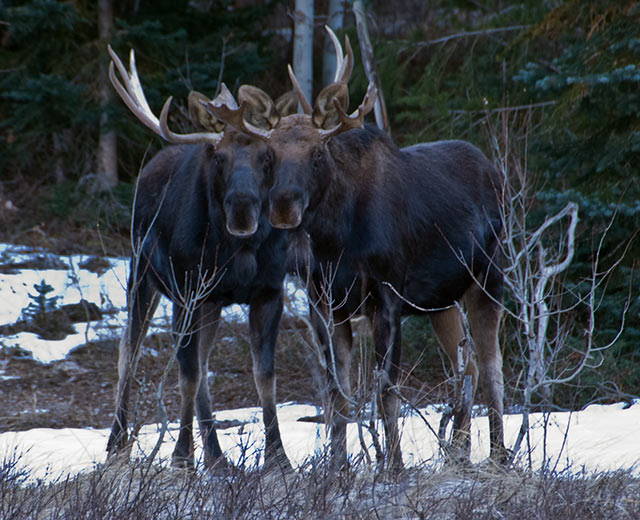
(286, 207)
(242, 211)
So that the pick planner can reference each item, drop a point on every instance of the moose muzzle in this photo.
(286, 207)
(242, 212)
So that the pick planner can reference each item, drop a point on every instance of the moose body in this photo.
(201, 237)
(184, 251)
(392, 231)
(422, 222)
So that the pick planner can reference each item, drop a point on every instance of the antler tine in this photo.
(233, 115)
(347, 63)
(344, 62)
(338, 49)
(304, 102)
(128, 93)
(356, 119)
(133, 96)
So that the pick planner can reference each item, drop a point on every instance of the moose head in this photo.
(235, 159)
(298, 161)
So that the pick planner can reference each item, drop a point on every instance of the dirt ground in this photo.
(79, 390)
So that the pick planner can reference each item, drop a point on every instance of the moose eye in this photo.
(267, 160)
(317, 155)
(220, 160)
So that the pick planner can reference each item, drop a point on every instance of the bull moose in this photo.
(201, 238)
(415, 230)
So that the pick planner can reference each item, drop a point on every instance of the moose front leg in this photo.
(188, 358)
(209, 320)
(264, 320)
(387, 339)
(335, 340)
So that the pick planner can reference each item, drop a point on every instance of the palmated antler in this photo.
(228, 111)
(356, 119)
(133, 96)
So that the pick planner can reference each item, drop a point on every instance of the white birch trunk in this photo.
(107, 159)
(303, 46)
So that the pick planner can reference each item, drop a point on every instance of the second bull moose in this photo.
(412, 230)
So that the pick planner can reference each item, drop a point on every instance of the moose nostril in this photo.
(241, 199)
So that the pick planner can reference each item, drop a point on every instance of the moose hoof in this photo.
(182, 460)
(278, 462)
(117, 443)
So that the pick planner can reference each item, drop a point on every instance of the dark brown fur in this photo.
(199, 222)
(423, 222)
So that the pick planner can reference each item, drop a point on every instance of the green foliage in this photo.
(576, 63)
(52, 58)
(592, 133)
(71, 201)
(41, 303)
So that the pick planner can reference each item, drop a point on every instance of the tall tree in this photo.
(303, 45)
(107, 173)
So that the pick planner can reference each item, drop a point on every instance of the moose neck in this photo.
(357, 214)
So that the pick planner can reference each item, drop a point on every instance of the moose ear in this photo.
(200, 117)
(325, 115)
(287, 104)
(260, 110)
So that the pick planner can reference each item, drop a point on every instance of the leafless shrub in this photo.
(141, 491)
(543, 305)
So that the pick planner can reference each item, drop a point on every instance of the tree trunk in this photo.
(107, 167)
(380, 110)
(303, 46)
(335, 20)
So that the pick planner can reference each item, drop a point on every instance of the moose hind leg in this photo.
(449, 329)
(484, 319)
(142, 303)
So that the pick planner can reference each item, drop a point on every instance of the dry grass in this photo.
(139, 491)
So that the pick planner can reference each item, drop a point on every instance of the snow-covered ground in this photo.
(72, 280)
(598, 438)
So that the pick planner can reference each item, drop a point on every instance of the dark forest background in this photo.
(568, 72)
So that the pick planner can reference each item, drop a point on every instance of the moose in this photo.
(411, 231)
(201, 238)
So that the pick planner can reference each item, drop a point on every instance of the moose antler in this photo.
(344, 68)
(356, 119)
(304, 102)
(344, 63)
(133, 96)
(226, 109)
